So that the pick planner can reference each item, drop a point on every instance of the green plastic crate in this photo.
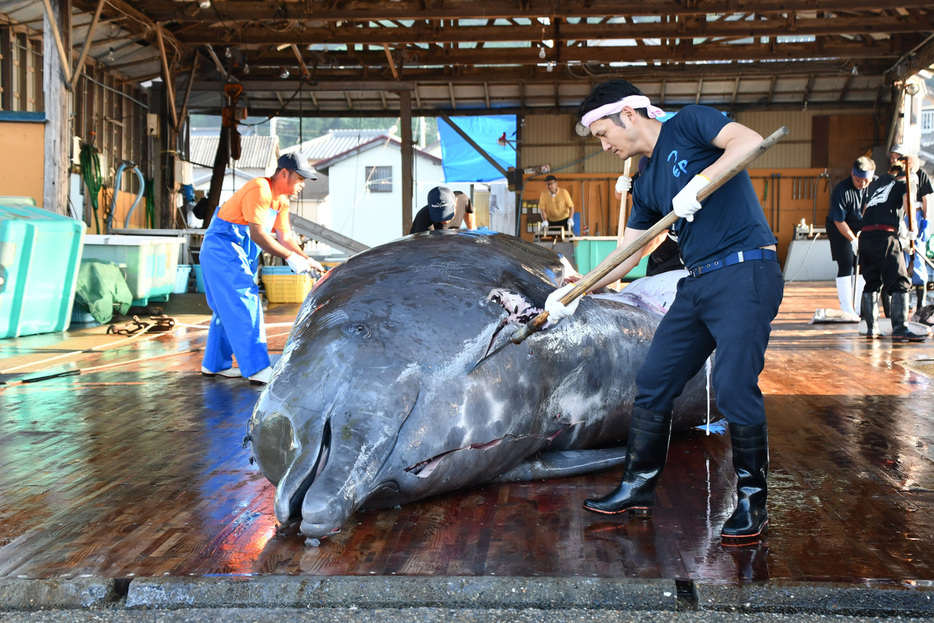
(590, 251)
(40, 252)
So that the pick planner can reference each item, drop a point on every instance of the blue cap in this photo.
(440, 204)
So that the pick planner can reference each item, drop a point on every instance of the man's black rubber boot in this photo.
(900, 330)
(751, 462)
(646, 454)
(869, 310)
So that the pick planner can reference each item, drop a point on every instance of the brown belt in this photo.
(878, 228)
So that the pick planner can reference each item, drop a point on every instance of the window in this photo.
(927, 121)
(379, 179)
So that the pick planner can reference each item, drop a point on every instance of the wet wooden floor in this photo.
(135, 467)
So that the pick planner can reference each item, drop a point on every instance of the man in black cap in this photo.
(438, 213)
(239, 232)
(880, 254)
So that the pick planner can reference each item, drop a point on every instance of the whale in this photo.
(375, 401)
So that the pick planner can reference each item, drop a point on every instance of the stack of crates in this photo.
(284, 286)
(40, 253)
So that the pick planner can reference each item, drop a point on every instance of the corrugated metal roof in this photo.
(334, 142)
(256, 152)
(377, 141)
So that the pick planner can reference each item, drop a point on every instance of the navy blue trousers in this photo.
(730, 310)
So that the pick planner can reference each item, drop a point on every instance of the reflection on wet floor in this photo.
(136, 467)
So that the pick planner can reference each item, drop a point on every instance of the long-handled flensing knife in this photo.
(620, 255)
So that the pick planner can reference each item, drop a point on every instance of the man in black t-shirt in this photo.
(843, 221)
(881, 261)
(438, 213)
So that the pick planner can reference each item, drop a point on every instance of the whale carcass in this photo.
(371, 404)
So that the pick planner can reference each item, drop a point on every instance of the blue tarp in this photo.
(462, 163)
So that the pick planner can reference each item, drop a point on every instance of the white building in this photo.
(365, 182)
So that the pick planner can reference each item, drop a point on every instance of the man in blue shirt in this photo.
(846, 208)
(727, 303)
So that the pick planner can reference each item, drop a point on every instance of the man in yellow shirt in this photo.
(237, 235)
(555, 204)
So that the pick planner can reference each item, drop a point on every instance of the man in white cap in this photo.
(438, 213)
(237, 235)
(727, 302)
(923, 187)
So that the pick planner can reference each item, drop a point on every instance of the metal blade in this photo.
(498, 348)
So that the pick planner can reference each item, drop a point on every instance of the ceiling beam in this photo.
(289, 12)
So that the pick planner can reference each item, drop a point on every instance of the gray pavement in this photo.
(423, 615)
(412, 598)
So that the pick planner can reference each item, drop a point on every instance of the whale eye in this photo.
(356, 330)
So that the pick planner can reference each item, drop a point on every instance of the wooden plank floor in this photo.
(135, 467)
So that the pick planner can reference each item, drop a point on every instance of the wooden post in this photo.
(408, 158)
(57, 103)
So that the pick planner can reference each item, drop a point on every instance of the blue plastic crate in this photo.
(40, 252)
(183, 273)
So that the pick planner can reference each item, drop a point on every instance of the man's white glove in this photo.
(903, 230)
(299, 264)
(685, 203)
(912, 234)
(623, 184)
(545, 224)
(854, 243)
(556, 309)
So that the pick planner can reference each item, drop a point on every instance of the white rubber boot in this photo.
(845, 294)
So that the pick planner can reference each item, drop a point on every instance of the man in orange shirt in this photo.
(237, 235)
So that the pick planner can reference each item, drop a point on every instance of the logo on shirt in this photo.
(680, 166)
(881, 195)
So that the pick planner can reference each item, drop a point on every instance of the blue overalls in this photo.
(229, 260)
(919, 272)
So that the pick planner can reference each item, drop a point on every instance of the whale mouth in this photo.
(321, 461)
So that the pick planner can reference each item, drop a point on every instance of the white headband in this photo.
(633, 101)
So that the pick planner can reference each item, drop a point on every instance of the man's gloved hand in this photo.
(685, 203)
(298, 264)
(623, 184)
(854, 243)
(545, 224)
(557, 310)
(912, 234)
(903, 230)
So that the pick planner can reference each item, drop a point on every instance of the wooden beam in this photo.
(709, 31)
(392, 64)
(301, 61)
(88, 39)
(168, 77)
(408, 159)
(64, 57)
(362, 11)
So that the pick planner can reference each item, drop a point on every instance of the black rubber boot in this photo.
(869, 310)
(900, 330)
(751, 462)
(919, 296)
(646, 454)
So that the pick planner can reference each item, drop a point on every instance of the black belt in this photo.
(888, 228)
(734, 258)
